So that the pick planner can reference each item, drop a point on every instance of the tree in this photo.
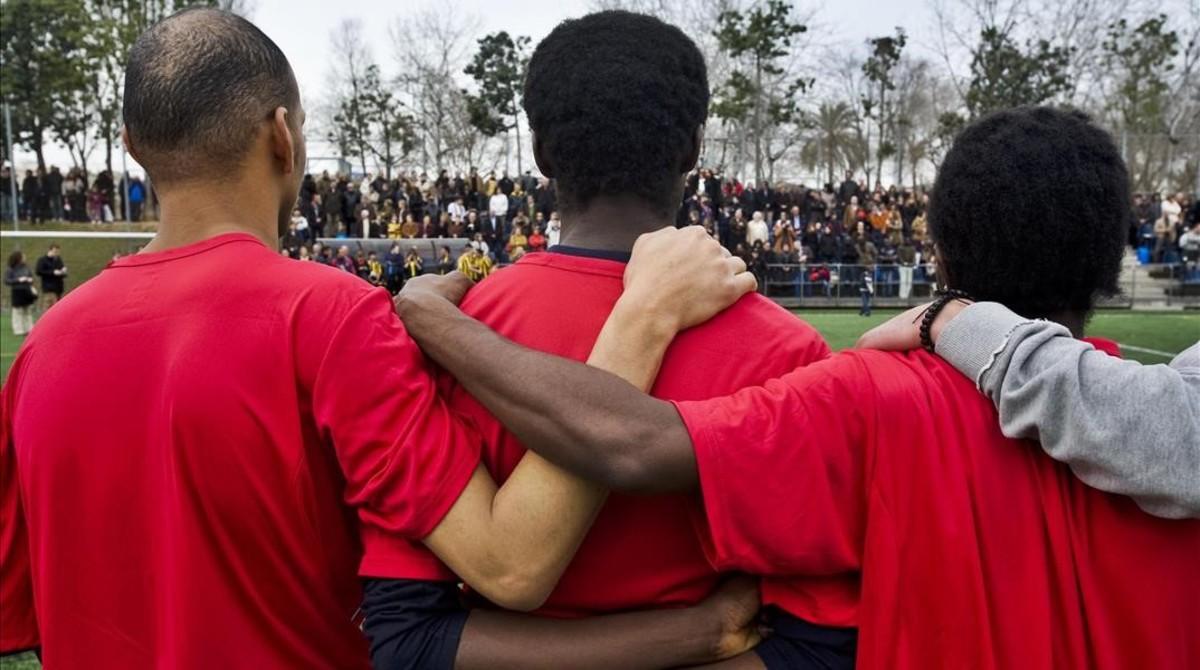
(759, 94)
(1003, 75)
(354, 79)
(831, 142)
(498, 69)
(391, 133)
(42, 71)
(1141, 59)
(431, 49)
(885, 55)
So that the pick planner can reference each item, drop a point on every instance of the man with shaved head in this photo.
(192, 473)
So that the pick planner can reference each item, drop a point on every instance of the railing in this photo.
(1168, 286)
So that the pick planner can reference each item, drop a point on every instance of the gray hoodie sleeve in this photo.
(1121, 426)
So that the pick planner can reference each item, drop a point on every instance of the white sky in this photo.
(301, 28)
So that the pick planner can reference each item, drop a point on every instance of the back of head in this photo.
(614, 99)
(198, 86)
(1029, 209)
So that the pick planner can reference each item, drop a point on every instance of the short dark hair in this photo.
(197, 86)
(614, 99)
(1030, 209)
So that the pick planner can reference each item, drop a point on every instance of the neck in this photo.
(195, 212)
(610, 224)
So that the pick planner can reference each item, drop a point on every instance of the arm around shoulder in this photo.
(1123, 427)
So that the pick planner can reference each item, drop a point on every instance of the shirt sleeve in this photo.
(19, 631)
(783, 471)
(1122, 427)
(405, 457)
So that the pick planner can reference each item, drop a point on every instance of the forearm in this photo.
(1122, 427)
(589, 421)
(652, 639)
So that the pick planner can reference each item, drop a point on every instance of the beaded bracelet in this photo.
(944, 297)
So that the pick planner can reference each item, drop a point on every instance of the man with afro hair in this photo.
(617, 103)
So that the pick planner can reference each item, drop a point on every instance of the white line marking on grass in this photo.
(1142, 350)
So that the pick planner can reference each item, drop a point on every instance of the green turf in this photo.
(1169, 332)
(84, 258)
(20, 662)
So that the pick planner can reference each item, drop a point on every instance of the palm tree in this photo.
(831, 141)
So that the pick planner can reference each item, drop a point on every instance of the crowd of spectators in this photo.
(778, 231)
(1166, 229)
(793, 233)
(53, 196)
(789, 234)
(845, 234)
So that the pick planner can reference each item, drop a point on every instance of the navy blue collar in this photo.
(619, 256)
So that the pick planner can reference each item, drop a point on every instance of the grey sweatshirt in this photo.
(1121, 426)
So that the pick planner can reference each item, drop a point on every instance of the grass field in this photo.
(1167, 333)
(1157, 336)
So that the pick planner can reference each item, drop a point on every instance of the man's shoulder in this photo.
(761, 318)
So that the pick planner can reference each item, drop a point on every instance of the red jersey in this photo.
(186, 441)
(975, 551)
(641, 551)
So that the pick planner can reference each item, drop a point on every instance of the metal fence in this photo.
(1165, 286)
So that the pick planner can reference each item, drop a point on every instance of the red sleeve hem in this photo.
(713, 516)
(468, 460)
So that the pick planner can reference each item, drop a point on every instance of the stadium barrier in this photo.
(1168, 286)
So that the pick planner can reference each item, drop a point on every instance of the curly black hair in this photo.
(1030, 209)
(614, 99)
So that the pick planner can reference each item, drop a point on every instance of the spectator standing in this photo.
(53, 186)
(19, 279)
(137, 198)
(498, 208)
(31, 190)
(867, 291)
(757, 231)
(6, 201)
(848, 191)
(53, 272)
(553, 230)
(1164, 227)
(907, 256)
(6, 204)
(393, 268)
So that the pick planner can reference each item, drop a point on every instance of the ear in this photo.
(282, 144)
(128, 142)
(542, 158)
(693, 155)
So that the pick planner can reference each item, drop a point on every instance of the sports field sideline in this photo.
(1149, 337)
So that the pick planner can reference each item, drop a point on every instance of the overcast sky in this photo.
(302, 29)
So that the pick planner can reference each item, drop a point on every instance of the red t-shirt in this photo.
(975, 551)
(191, 435)
(641, 551)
